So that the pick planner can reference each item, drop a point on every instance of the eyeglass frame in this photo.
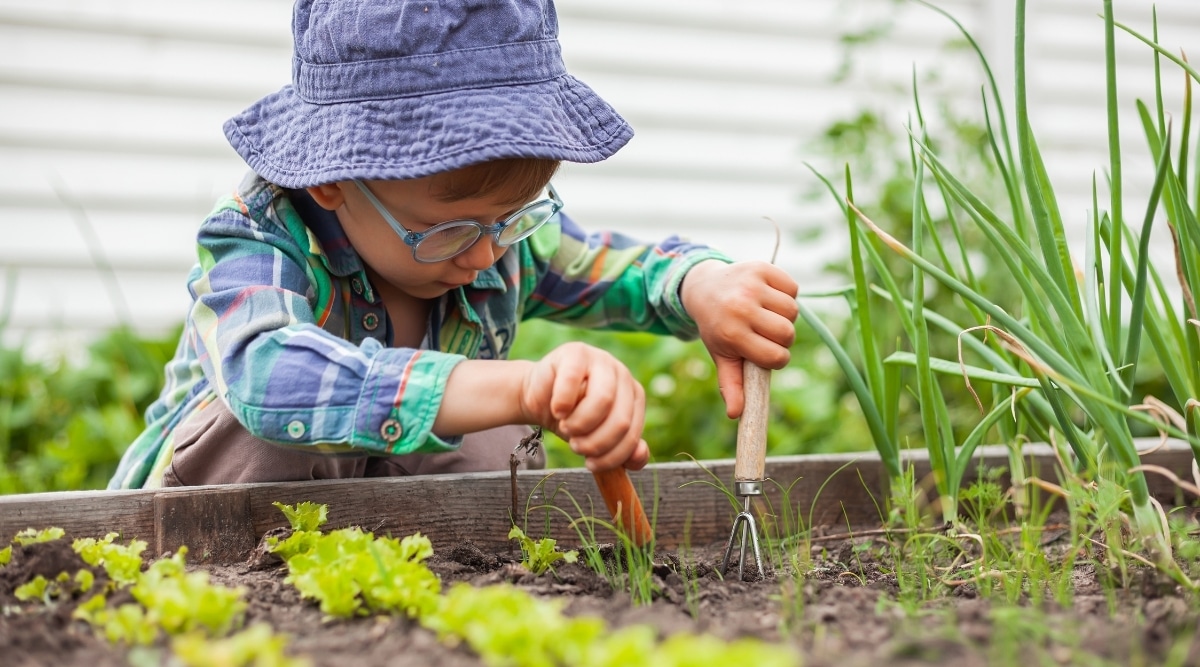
(413, 239)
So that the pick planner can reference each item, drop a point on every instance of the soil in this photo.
(843, 613)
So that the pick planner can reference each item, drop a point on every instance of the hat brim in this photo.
(297, 144)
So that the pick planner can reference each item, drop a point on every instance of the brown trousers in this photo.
(214, 448)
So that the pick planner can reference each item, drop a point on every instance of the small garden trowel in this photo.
(624, 505)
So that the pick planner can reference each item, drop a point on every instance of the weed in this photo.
(687, 571)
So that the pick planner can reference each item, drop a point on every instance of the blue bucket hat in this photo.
(396, 89)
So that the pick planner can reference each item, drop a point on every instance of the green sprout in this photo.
(540, 555)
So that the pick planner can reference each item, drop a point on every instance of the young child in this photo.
(355, 300)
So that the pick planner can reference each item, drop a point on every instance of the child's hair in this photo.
(515, 180)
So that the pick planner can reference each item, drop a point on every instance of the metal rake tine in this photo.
(729, 546)
(742, 555)
(758, 561)
(748, 525)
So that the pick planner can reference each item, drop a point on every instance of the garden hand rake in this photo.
(750, 463)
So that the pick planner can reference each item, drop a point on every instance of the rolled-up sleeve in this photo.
(607, 280)
(284, 377)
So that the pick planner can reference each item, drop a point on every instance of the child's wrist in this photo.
(483, 394)
(694, 275)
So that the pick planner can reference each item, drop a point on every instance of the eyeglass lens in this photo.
(448, 242)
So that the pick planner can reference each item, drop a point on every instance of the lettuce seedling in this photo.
(185, 601)
(41, 588)
(84, 580)
(305, 516)
(306, 519)
(128, 624)
(347, 567)
(34, 589)
(31, 536)
(123, 563)
(507, 626)
(540, 555)
(256, 645)
(5, 555)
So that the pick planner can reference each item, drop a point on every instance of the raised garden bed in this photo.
(841, 601)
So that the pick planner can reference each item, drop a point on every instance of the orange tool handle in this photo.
(624, 505)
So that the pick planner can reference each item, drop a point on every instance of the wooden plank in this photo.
(826, 492)
(213, 522)
(80, 513)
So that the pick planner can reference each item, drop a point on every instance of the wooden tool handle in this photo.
(751, 461)
(624, 504)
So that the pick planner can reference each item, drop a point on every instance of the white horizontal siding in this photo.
(111, 113)
(1067, 94)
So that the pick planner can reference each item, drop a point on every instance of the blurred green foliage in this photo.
(65, 423)
(811, 408)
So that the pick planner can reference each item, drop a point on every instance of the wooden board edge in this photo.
(684, 497)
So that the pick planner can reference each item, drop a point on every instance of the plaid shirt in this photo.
(288, 331)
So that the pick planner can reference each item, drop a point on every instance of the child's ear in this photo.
(328, 196)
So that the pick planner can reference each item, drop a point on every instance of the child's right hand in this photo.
(591, 400)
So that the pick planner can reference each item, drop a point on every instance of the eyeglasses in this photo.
(448, 239)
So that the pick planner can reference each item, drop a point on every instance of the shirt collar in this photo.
(336, 252)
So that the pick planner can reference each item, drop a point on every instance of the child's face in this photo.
(413, 204)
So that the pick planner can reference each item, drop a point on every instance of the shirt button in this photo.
(296, 429)
(356, 285)
(370, 321)
(391, 430)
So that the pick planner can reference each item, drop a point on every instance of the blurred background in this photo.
(111, 152)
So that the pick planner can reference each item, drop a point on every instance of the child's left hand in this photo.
(745, 310)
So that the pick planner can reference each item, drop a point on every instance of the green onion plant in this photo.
(1061, 363)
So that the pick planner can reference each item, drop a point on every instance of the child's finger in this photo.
(608, 418)
(774, 328)
(782, 281)
(640, 456)
(596, 401)
(613, 442)
(765, 340)
(615, 457)
(781, 303)
(569, 387)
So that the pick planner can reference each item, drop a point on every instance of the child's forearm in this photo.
(482, 394)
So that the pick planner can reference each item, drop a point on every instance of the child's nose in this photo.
(480, 256)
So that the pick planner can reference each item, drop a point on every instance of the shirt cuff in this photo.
(400, 400)
(680, 322)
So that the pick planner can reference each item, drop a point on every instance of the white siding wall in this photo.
(111, 149)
